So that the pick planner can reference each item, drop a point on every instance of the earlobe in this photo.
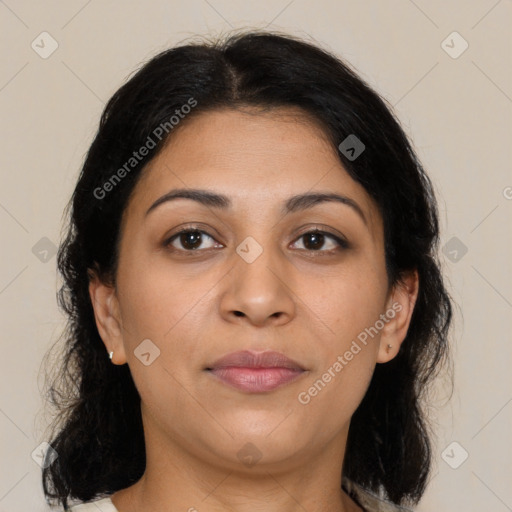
(400, 306)
(108, 321)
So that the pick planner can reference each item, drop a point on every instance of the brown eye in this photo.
(189, 240)
(316, 241)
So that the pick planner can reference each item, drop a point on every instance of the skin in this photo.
(307, 302)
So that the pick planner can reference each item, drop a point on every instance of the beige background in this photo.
(457, 111)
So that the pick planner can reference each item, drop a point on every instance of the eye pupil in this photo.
(316, 238)
(191, 239)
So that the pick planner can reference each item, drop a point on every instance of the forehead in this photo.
(258, 158)
(222, 137)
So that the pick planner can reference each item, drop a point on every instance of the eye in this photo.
(189, 240)
(316, 239)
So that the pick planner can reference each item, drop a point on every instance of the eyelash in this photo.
(342, 244)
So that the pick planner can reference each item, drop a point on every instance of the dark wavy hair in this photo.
(97, 431)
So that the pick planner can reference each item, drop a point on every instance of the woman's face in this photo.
(251, 280)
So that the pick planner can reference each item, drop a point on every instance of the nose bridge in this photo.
(258, 265)
(258, 286)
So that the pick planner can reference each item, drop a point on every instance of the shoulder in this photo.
(101, 505)
(369, 501)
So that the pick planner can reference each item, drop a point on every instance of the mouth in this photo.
(254, 372)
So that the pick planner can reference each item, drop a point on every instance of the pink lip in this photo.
(256, 372)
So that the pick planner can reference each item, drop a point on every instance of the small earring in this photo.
(111, 355)
(389, 348)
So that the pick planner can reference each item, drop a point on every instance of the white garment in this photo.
(102, 505)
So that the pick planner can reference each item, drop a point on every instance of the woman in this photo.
(255, 302)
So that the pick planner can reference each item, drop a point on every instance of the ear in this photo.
(108, 320)
(399, 308)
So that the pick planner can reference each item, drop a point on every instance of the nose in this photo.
(260, 292)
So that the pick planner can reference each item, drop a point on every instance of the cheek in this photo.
(347, 346)
(347, 309)
(333, 396)
(346, 305)
(153, 296)
(349, 306)
(170, 307)
(155, 306)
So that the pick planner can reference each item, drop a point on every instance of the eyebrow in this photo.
(293, 204)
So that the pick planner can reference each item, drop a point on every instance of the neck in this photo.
(178, 477)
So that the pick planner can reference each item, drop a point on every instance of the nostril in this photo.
(239, 313)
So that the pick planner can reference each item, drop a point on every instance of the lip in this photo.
(256, 372)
